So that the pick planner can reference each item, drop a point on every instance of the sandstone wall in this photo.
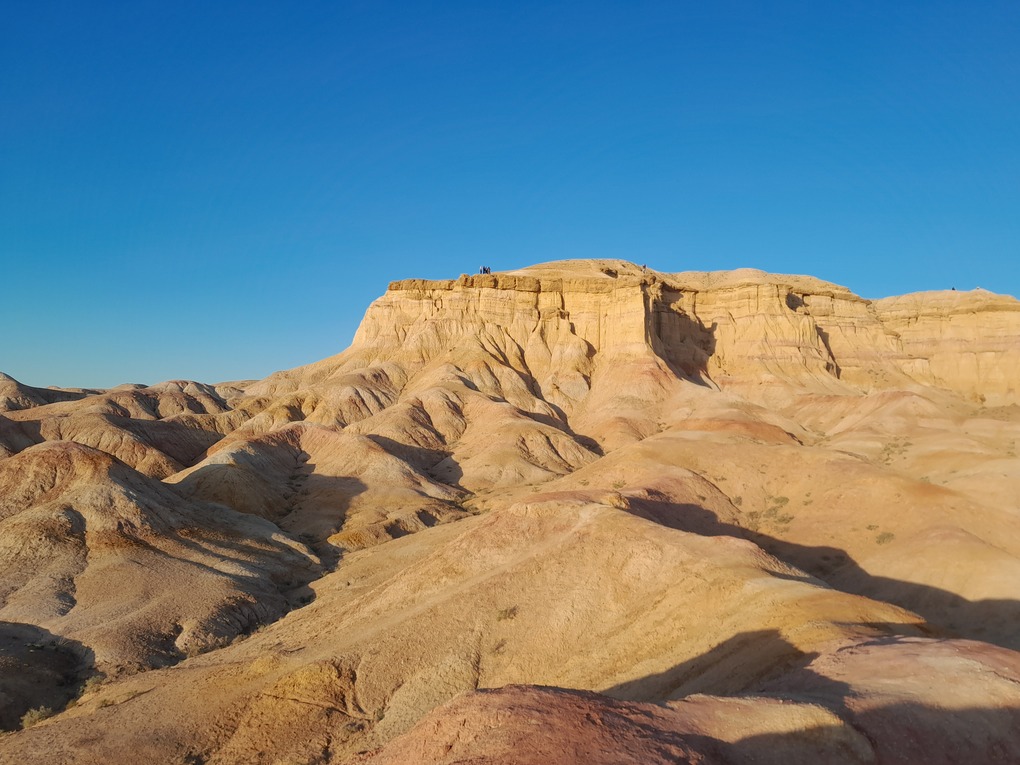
(965, 341)
(728, 327)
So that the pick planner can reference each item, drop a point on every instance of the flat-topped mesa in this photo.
(606, 314)
(601, 340)
(730, 327)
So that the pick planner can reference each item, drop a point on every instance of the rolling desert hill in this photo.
(580, 512)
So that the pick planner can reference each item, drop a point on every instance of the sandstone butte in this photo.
(577, 513)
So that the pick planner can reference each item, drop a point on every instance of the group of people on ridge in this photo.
(485, 270)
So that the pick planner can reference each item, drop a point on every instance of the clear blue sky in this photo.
(217, 190)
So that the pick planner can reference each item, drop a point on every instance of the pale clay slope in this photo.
(675, 425)
(107, 557)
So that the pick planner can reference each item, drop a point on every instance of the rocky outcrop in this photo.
(561, 324)
(968, 342)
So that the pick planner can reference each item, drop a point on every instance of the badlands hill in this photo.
(581, 512)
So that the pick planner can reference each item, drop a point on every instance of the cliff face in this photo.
(968, 342)
(562, 327)
(557, 332)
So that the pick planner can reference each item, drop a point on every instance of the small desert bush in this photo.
(33, 716)
(507, 613)
(94, 683)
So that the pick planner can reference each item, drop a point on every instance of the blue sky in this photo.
(218, 190)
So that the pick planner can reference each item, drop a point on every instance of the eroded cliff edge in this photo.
(724, 328)
(727, 327)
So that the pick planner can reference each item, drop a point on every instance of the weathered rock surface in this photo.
(768, 517)
(15, 395)
(97, 552)
(564, 591)
(965, 341)
(813, 720)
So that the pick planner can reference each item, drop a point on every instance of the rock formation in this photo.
(697, 517)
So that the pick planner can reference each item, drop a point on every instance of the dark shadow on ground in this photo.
(897, 734)
(18, 435)
(183, 444)
(730, 667)
(38, 670)
(992, 621)
(763, 667)
(438, 464)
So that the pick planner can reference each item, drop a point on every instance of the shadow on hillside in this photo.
(180, 442)
(992, 621)
(40, 669)
(311, 524)
(897, 733)
(558, 420)
(561, 423)
(901, 733)
(437, 464)
(733, 666)
(685, 344)
(290, 576)
(18, 435)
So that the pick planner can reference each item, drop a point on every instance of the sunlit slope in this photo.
(584, 475)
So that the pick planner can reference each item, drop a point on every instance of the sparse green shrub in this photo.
(885, 537)
(93, 683)
(33, 716)
(619, 484)
(195, 649)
